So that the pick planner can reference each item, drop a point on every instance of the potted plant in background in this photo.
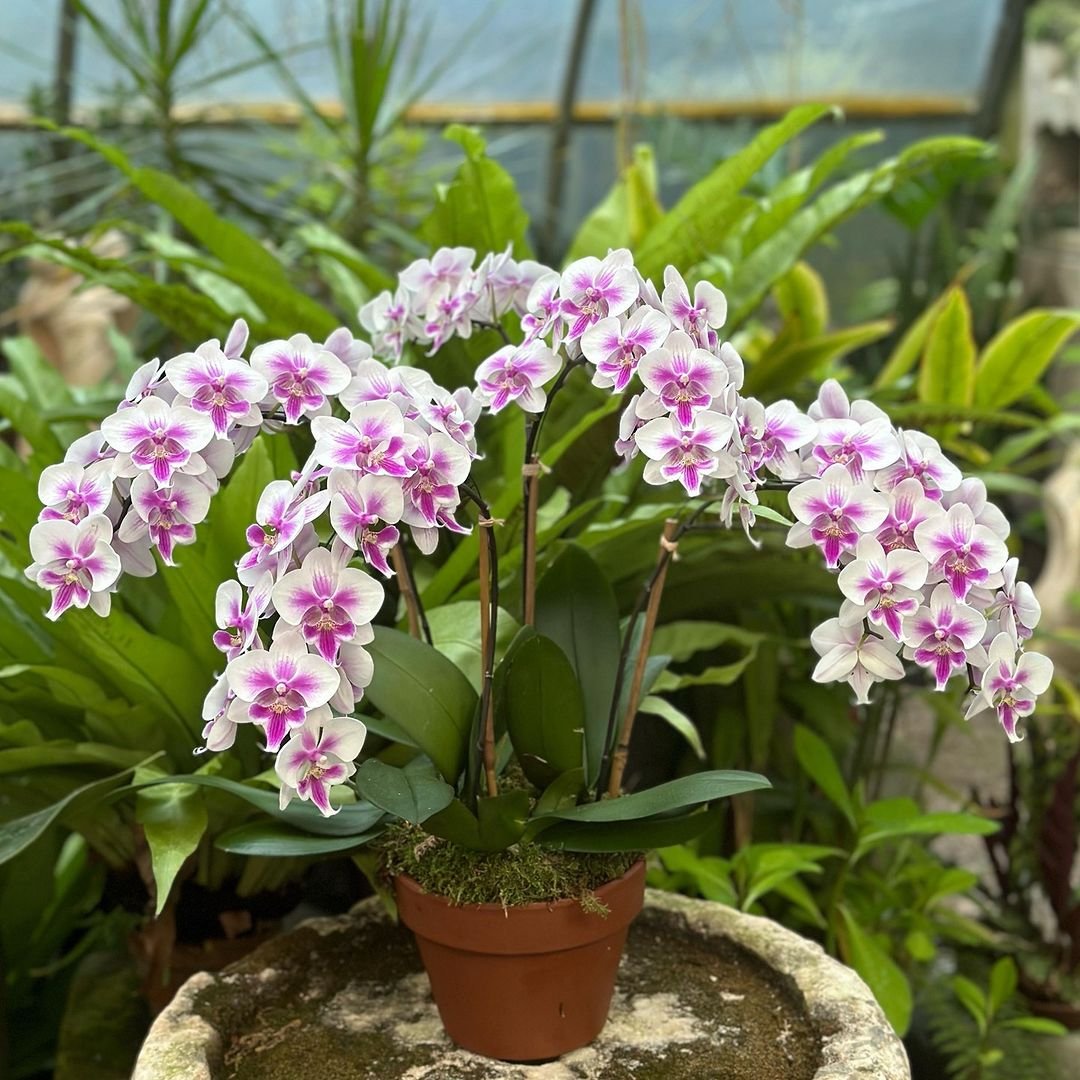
(497, 799)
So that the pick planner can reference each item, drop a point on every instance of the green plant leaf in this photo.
(270, 838)
(776, 372)
(19, 834)
(643, 835)
(698, 221)
(413, 794)
(802, 301)
(686, 792)
(480, 207)
(174, 819)
(818, 763)
(455, 632)
(682, 639)
(910, 347)
(541, 702)
(563, 791)
(352, 819)
(947, 373)
(426, 694)
(576, 608)
(879, 971)
(499, 822)
(676, 719)
(1003, 982)
(1037, 1025)
(972, 998)
(1014, 361)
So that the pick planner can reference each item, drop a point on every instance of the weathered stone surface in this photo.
(703, 992)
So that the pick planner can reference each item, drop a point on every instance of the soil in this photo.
(357, 1003)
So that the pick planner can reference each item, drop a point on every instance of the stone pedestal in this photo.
(703, 992)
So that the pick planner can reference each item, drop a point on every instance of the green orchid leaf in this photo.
(174, 819)
(273, 839)
(413, 794)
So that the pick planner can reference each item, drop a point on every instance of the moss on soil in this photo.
(522, 874)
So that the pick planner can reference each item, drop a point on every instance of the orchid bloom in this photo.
(833, 511)
(228, 391)
(516, 373)
(965, 553)
(908, 509)
(832, 404)
(1011, 684)
(1014, 606)
(237, 622)
(317, 756)
(771, 436)
(327, 601)
(440, 465)
(921, 458)
(167, 514)
(884, 586)
(446, 269)
(544, 309)
(684, 377)
(945, 636)
(374, 441)
(301, 374)
(700, 317)
(74, 562)
(687, 454)
(390, 321)
(70, 492)
(593, 289)
(616, 345)
(280, 685)
(357, 505)
(219, 728)
(863, 448)
(158, 438)
(279, 516)
(849, 653)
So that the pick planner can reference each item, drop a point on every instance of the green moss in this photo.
(522, 874)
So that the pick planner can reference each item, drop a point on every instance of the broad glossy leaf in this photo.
(644, 835)
(576, 608)
(426, 694)
(880, 972)
(910, 347)
(947, 373)
(802, 300)
(455, 632)
(676, 719)
(687, 792)
(818, 763)
(1014, 361)
(696, 224)
(17, 835)
(351, 820)
(276, 840)
(498, 823)
(684, 638)
(541, 701)
(412, 794)
(174, 819)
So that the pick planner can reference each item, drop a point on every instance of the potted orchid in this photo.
(497, 801)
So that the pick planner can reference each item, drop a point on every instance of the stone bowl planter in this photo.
(703, 991)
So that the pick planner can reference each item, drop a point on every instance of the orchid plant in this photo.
(920, 554)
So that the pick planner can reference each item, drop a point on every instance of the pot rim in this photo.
(413, 886)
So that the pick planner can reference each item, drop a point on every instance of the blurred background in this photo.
(281, 161)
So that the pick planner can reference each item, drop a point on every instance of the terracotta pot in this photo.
(524, 983)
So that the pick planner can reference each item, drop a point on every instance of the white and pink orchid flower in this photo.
(965, 553)
(1014, 607)
(226, 390)
(972, 491)
(74, 561)
(908, 509)
(439, 466)
(317, 756)
(684, 377)
(236, 620)
(351, 351)
(884, 586)
(445, 270)
(280, 516)
(280, 685)
(327, 600)
(373, 441)
(357, 505)
(593, 289)
(301, 375)
(390, 320)
(688, 454)
(516, 373)
(167, 514)
(945, 636)
(71, 492)
(772, 435)
(921, 458)
(699, 317)
(355, 670)
(832, 404)
(615, 345)
(157, 438)
(1011, 683)
(833, 512)
(544, 310)
(219, 728)
(862, 447)
(849, 653)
